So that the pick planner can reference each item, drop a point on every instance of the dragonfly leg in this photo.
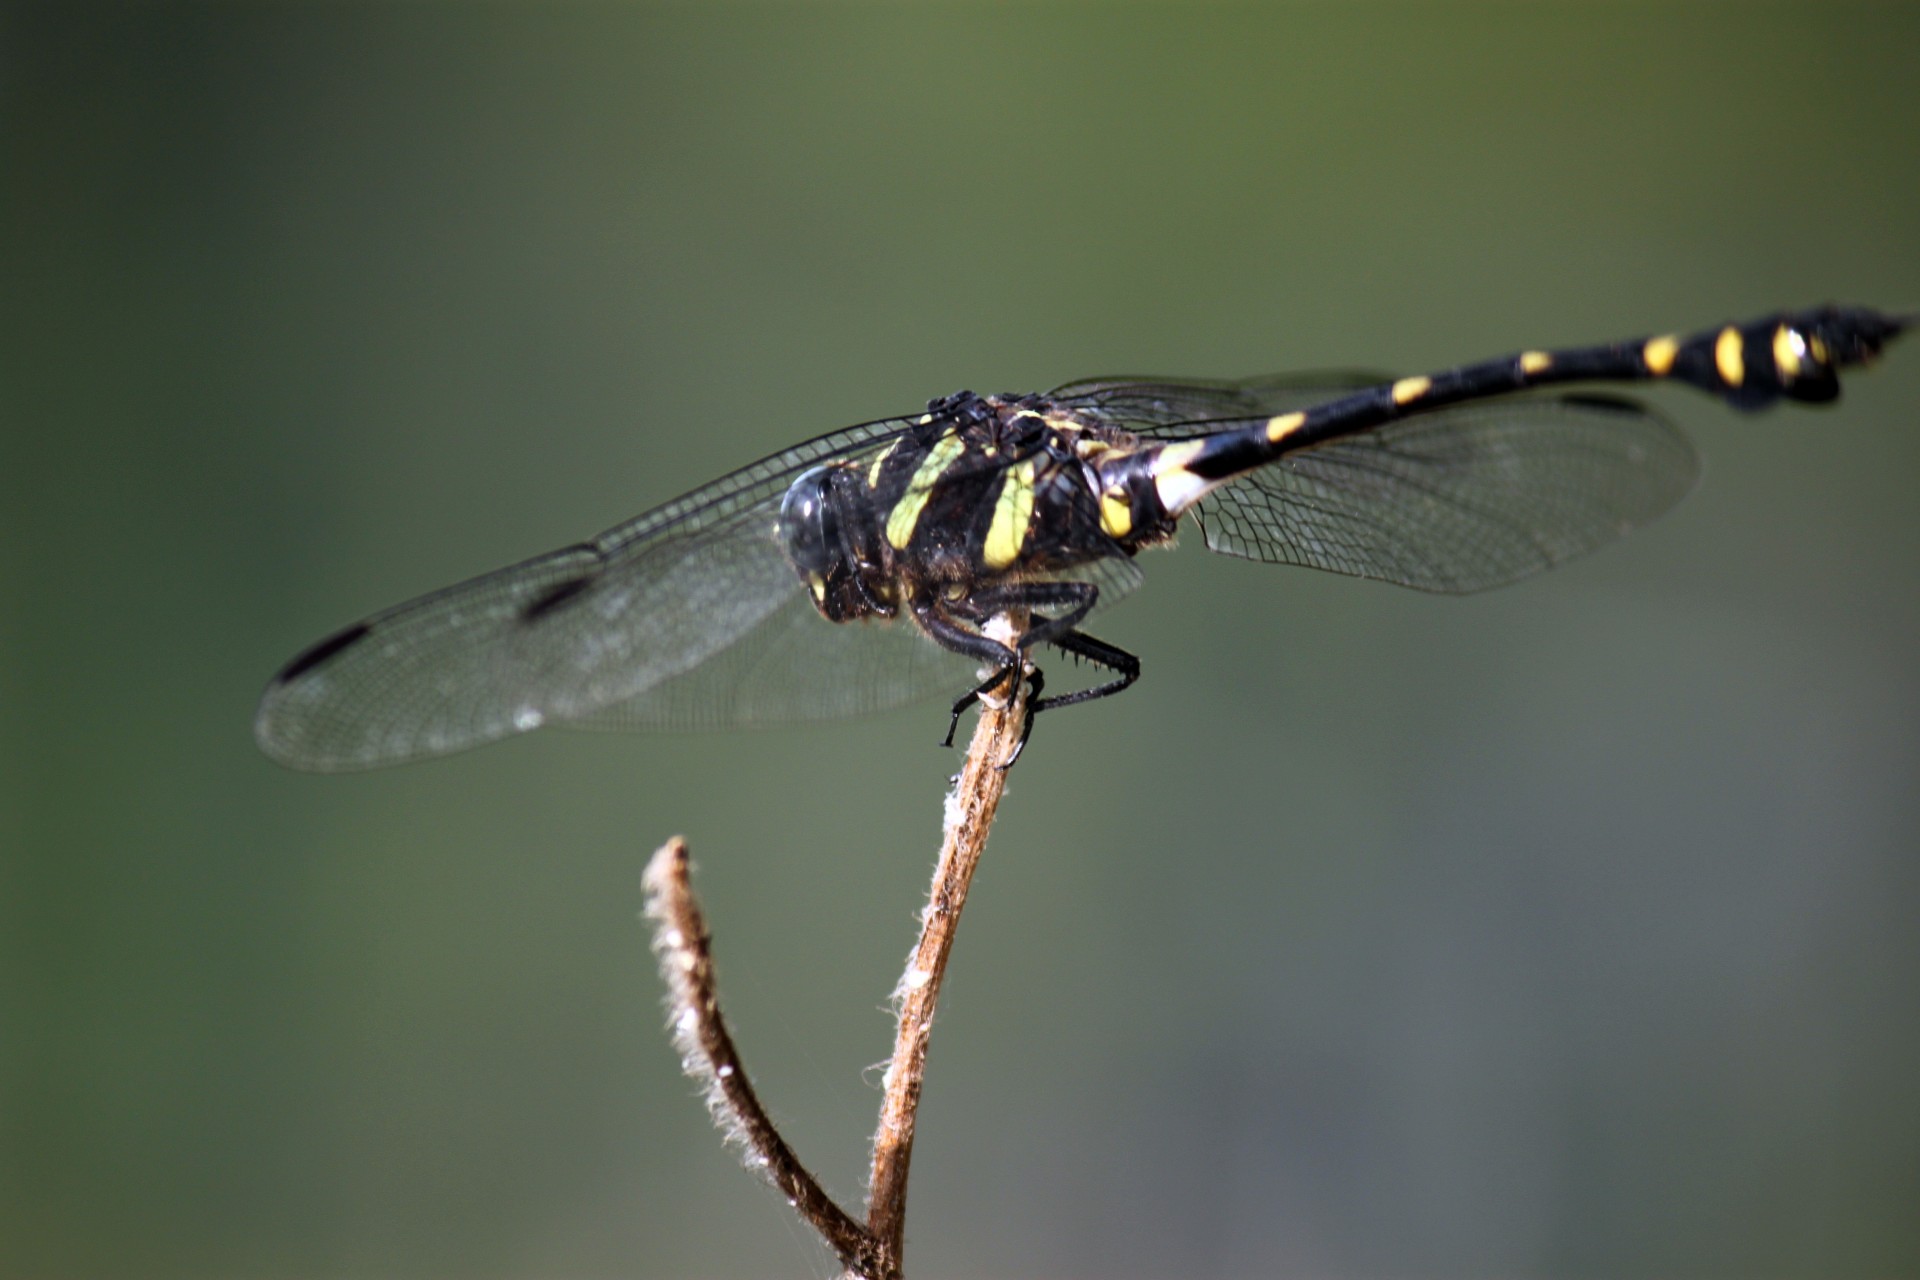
(990, 685)
(1124, 665)
(947, 625)
(1061, 631)
(1076, 598)
(935, 620)
(1036, 681)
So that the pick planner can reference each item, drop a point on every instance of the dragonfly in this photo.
(934, 553)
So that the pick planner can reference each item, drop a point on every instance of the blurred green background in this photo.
(1564, 931)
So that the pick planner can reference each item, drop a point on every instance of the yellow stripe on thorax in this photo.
(879, 461)
(1012, 517)
(906, 512)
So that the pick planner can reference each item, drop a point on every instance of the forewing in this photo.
(551, 639)
(1460, 499)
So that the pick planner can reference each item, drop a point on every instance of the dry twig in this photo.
(707, 1053)
(970, 809)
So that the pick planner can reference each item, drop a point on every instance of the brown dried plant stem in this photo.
(709, 1058)
(708, 1055)
(970, 810)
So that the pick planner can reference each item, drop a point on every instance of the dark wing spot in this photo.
(553, 597)
(308, 659)
(1603, 402)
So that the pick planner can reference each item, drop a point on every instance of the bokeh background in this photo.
(1564, 931)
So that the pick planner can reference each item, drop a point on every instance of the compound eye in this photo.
(808, 525)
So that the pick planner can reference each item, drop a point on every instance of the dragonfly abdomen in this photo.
(1791, 355)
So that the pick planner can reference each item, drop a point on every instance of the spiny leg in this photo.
(1115, 659)
(1077, 599)
(1080, 645)
(934, 619)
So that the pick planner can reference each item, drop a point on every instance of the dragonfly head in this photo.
(819, 521)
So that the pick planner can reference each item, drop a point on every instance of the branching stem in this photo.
(708, 1055)
(872, 1251)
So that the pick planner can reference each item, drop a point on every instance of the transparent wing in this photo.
(1163, 406)
(555, 638)
(1460, 499)
(794, 665)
